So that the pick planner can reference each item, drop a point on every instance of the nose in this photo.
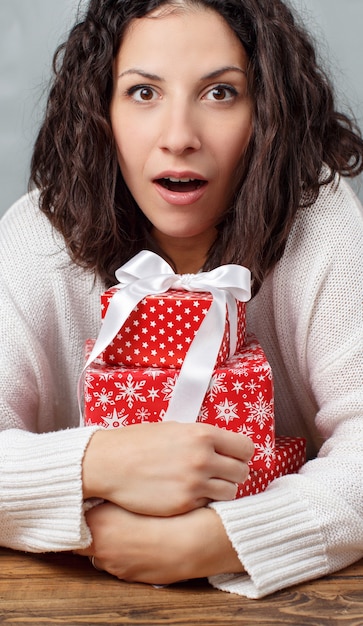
(180, 129)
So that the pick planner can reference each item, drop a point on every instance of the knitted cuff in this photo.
(41, 490)
(276, 539)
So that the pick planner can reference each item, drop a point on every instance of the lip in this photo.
(180, 198)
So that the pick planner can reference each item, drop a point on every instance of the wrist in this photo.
(225, 558)
(93, 463)
(211, 551)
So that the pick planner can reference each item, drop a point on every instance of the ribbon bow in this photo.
(147, 274)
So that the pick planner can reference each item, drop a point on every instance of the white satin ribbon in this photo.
(147, 274)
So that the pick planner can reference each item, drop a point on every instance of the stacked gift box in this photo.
(161, 328)
(134, 378)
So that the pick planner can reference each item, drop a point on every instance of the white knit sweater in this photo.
(308, 317)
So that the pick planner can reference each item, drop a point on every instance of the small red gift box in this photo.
(290, 454)
(161, 328)
(239, 397)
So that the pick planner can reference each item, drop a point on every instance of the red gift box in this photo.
(161, 328)
(239, 398)
(290, 455)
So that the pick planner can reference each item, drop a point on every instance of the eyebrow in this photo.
(224, 70)
(215, 74)
(135, 70)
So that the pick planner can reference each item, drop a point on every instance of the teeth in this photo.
(179, 180)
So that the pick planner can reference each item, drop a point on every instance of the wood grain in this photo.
(65, 589)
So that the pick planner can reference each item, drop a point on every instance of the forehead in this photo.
(192, 35)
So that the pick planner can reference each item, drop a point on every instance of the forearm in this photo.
(210, 550)
(160, 550)
(94, 459)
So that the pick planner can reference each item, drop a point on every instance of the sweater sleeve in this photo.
(311, 524)
(41, 501)
(41, 450)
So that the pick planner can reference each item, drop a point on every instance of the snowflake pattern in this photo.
(107, 375)
(260, 411)
(87, 396)
(115, 419)
(239, 367)
(141, 415)
(252, 386)
(246, 430)
(168, 387)
(153, 372)
(130, 391)
(265, 451)
(88, 380)
(216, 386)
(226, 411)
(243, 404)
(203, 414)
(103, 398)
(264, 369)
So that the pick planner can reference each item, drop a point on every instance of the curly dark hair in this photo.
(296, 129)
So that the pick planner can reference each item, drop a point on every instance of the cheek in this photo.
(231, 158)
(231, 142)
(126, 153)
(122, 135)
(243, 137)
(238, 146)
(132, 148)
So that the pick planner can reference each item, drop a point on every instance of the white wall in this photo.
(30, 30)
(337, 29)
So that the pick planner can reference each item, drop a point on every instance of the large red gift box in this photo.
(239, 397)
(141, 368)
(161, 328)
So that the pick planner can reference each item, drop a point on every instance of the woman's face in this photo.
(182, 119)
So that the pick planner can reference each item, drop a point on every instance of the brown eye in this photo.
(142, 93)
(219, 93)
(146, 93)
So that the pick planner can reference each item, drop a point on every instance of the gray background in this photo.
(30, 30)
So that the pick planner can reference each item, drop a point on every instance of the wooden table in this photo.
(65, 589)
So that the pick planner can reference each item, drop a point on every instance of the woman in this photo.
(206, 132)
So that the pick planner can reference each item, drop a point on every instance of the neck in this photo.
(187, 254)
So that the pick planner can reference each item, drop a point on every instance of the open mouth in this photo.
(180, 184)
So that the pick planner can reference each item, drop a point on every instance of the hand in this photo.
(165, 468)
(159, 550)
